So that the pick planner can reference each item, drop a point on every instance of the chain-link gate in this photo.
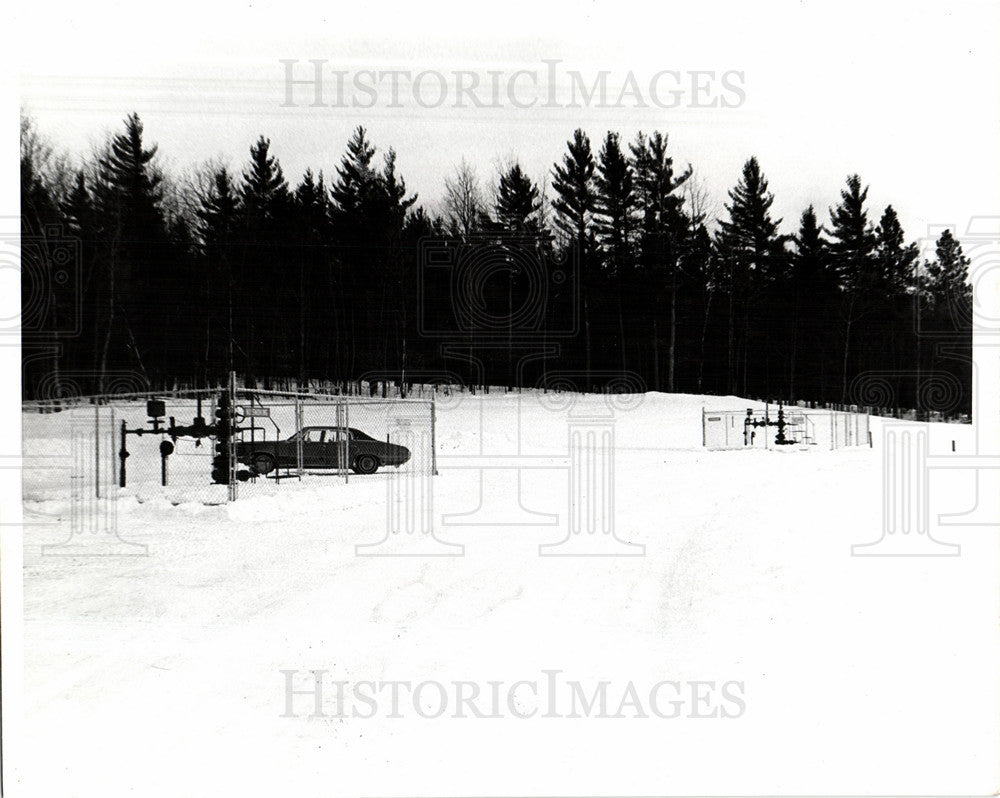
(312, 438)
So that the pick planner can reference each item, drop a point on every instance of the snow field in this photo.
(161, 675)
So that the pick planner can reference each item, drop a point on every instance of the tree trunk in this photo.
(731, 357)
(673, 329)
(621, 329)
(102, 369)
(656, 357)
(704, 332)
(302, 323)
(791, 363)
(746, 348)
(847, 346)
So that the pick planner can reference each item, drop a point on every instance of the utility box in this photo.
(156, 408)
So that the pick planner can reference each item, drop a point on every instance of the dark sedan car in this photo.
(322, 447)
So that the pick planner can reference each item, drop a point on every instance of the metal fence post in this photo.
(231, 444)
(297, 410)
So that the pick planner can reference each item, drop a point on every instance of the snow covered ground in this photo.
(163, 674)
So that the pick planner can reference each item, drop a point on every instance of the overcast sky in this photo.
(905, 94)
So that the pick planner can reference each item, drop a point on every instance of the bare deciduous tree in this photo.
(464, 204)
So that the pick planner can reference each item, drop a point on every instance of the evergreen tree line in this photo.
(328, 280)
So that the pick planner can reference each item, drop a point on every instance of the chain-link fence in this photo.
(786, 426)
(149, 448)
(215, 446)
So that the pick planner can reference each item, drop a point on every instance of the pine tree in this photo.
(945, 287)
(893, 292)
(615, 208)
(665, 233)
(368, 213)
(946, 278)
(751, 251)
(217, 213)
(852, 247)
(853, 240)
(573, 183)
(615, 205)
(656, 191)
(811, 260)
(311, 202)
(356, 179)
(263, 295)
(128, 194)
(355, 243)
(518, 202)
(263, 190)
(218, 217)
(131, 168)
(574, 206)
(396, 315)
(78, 209)
(393, 196)
(750, 236)
(812, 288)
(894, 259)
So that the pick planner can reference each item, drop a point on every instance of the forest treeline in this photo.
(618, 262)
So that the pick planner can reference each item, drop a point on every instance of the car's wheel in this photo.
(366, 464)
(263, 463)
